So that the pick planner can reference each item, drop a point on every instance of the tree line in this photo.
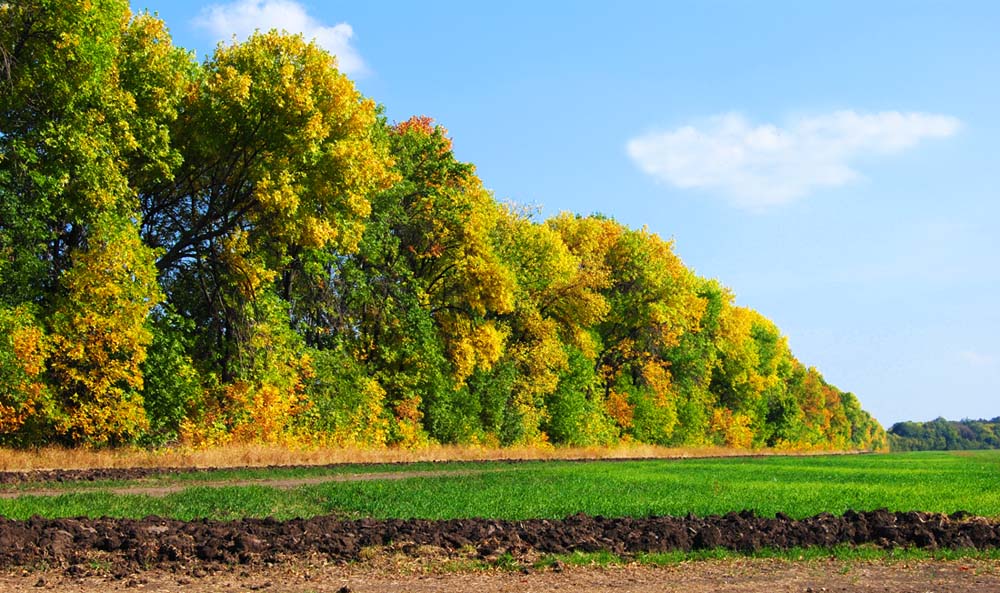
(945, 435)
(246, 249)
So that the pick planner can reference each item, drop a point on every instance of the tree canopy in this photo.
(945, 435)
(246, 249)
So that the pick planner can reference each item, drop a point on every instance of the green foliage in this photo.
(65, 136)
(171, 387)
(945, 435)
(653, 418)
(574, 414)
(244, 249)
(347, 405)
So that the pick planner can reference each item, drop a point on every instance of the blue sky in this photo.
(834, 163)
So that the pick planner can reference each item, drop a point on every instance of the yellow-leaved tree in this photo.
(653, 302)
(280, 154)
(99, 335)
(25, 400)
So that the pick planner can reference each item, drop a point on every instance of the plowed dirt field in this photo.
(333, 554)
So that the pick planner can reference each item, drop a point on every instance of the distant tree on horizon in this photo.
(945, 435)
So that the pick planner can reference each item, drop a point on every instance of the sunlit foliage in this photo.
(99, 335)
(244, 249)
(945, 435)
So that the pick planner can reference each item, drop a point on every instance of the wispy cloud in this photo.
(763, 165)
(243, 17)
(978, 359)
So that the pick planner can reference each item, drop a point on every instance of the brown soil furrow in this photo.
(129, 544)
(280, 483)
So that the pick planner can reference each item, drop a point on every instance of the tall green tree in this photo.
(653, 302)
(416, 301)
(554, 392)
(279, 156)
(71, 133)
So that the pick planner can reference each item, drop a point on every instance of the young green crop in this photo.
(797, 486)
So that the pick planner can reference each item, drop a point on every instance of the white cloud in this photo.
(243, 17)
(977, 359)
(764, 165)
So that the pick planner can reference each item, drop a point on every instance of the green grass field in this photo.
(797, 486)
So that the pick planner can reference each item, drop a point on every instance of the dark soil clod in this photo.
(156, 541)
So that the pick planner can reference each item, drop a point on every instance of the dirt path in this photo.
(749, 575)
(9, 475)
(280, 483)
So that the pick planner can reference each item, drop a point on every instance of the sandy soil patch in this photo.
(749, 575)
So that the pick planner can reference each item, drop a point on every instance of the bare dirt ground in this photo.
(745, 575)
(280, 483)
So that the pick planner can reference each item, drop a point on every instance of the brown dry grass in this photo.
(248, 455)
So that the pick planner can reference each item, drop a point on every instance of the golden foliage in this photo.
(99, 335)
(619, 409)
(471, 348)
(367, 426)
(311, 183)
(732, 429)
(409, 431)
(24, 350)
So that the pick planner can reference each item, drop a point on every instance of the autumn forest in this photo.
(246, 250)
